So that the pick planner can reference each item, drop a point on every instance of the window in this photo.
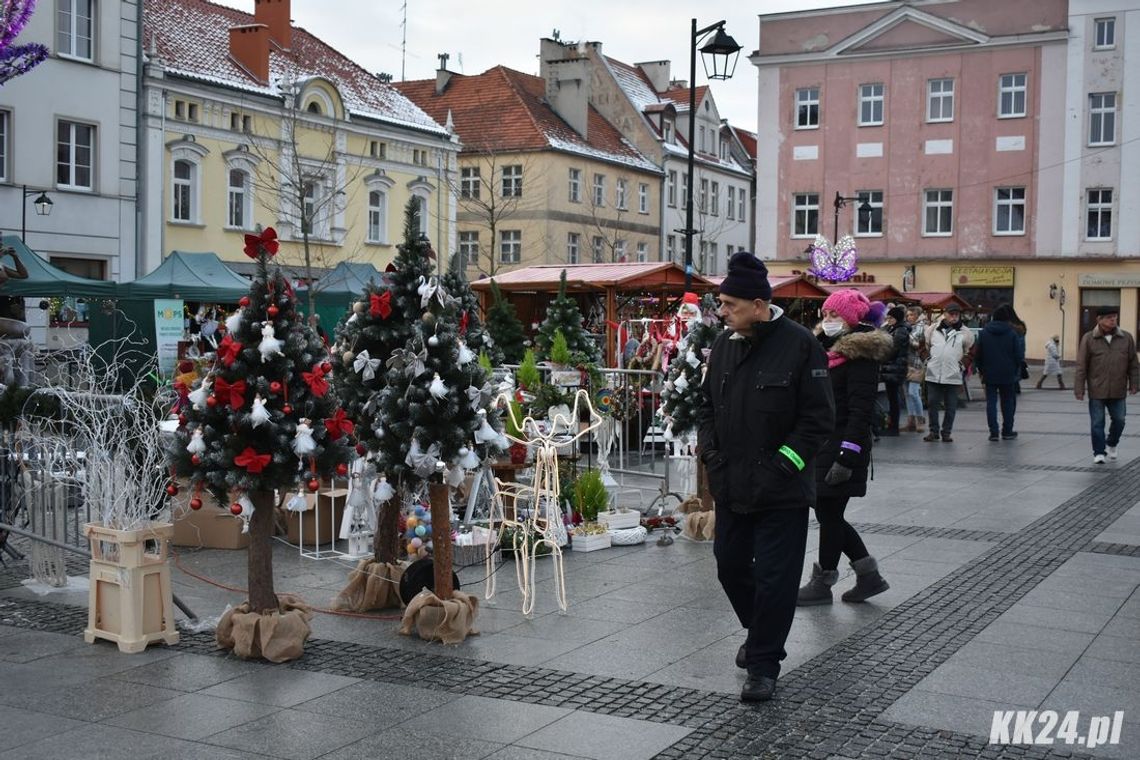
(715, 199)
(378, 217)
(643, 198)
(667, 131)
(573, 242)
(619, 251)
(247, 124)
(701, 259)
(1102, 118)
(512, 181)
(730, 207)
(575, 185)
(182, 195)
(180, 110)
(724, 150)
(377, 149)
(599, 248)
(310, 192)
(5, 121)
(422, 202)
(75, 155)
(703, 198)
(192, 112)
(237, 212)
(469, 181)
(315, 108)
(938, 208)
(1011, 96)
(701, 131)
(807, 108)
(671, 248)
(711, 260)
(869, 224)
(741, 198)
(1009, 211)
(940, 100)
(805, 214)
(684, 190)
(75, 29)
(619, 194)
(468, 249)
(1099, 215)
(643, 252)
(419, 157)
(510, 246)
(1105, 34)
(871, 104)
(671, 189)
(599, 190)
(235, 121)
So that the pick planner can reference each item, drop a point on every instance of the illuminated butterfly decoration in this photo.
(838, 264)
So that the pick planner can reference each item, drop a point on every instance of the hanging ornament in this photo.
(838, 263)
(270, 345)
(359, 307)
(233, 321)
(313, 485)
(252, 460)
(341, 469)
(339, 424)
(437, 389)
(171, 489)
(463, 322)
(195, 504)
(691, 359)
(242, 302)
(365, 365)
(258, 415)
(433, 341)
(297, 502)
(465, 354)
(468, 459)
(382, 490)
(195, 460)
(286, 410)
(379, 305)
(212, 401)
(272, 311)
(230, 393)
(680, 383)
(347, 358)
(235, 509)
(275, 387)
(361, 449)
(197, 443)
(485, 432)
(265, 241)
(303, 443)
(427, 289)
(326, 367)
(199, 395)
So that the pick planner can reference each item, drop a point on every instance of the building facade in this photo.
(983, 154)
(250, 121)
(69, 127)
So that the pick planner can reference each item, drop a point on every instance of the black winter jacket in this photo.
(767, 404)
(895, 365)
(855, 384)
(999, 354)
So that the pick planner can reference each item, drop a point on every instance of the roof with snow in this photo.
(747, 139)
(191, 38)
(506, 109)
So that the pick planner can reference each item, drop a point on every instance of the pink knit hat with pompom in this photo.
(849, 304)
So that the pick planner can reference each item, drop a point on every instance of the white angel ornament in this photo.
(303, 442)
(270, 345)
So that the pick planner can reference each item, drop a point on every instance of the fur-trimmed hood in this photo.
(872, 344)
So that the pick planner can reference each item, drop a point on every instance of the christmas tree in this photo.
(505, 329)
(563, 314)
(264, 419)
(471, 329)
(683, 394)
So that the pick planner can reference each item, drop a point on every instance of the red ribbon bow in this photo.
(339, 425)
(316, 381)
(267, 240)
(230, 393)
(381, 305)
(229, 350)
(463, 323)
(251, 460)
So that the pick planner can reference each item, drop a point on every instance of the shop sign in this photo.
(1123, 280)
(981, 277)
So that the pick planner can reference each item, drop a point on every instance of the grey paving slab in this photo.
(397, 744)
(292, 734)
(1065, 620)
(25, 726)
(604, 737)
(1035, 637)
(103, 742)
(614, 661)
(191, 716)
(567, 628)
(190, 672)
(283, 687)
(96, 700)
(101, 659)
(492, 720)
(528, 753)
(991, 685)
(1014, 660)
(966, 715)
(31, 645)
(1111, 674)
(1114, 648)
(377, 704)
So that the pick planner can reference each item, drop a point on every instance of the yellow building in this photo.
(543, 178)
(250, 121)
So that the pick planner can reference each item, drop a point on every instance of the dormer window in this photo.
(667, 130)
(314, 107)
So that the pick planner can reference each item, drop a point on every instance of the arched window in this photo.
(237, 209)
(182, 194)
(377, 217)
(314, 107)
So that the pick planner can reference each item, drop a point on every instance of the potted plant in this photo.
(590, 497)
(517, 451)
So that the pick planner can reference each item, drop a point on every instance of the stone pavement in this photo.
(1014, 571)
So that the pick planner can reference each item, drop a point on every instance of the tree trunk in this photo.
(262, 597)
(441, 538)
(386, 542)
(703, 492)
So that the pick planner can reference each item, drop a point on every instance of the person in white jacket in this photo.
(948, 341)
(1053, 362)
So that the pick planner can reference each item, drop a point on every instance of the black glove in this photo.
(837, 474)
(784, 466)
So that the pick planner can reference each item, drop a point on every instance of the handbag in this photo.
(1024, 371)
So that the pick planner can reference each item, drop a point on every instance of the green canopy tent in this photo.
(44, 280)
(339, 289)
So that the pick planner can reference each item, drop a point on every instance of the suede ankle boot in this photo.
(818, 589)
(911, 424)
(868, 582)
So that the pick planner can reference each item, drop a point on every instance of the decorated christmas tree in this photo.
(263, 420)
(563, 314)
(683, 394)
(505, 329)
(472, 331)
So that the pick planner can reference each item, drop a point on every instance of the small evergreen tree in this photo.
(472, 331)
(684, 393)
(563, 314)
(505, 329)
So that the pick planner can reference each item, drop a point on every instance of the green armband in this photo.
(792, 456)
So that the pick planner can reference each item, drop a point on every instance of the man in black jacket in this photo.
(768, 409)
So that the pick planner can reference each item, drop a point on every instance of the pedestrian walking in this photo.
(948, 341)
(894, 367)
(1052, 363)
(1107, 367)
(768, 409)
(998, 357)
(916, 369)
(854, 352)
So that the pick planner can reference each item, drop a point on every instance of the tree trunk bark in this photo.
(262, 597)
(385, 544)
(441, 539)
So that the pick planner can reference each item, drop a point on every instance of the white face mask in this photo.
(831, 329)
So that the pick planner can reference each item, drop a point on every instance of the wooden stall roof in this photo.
(788, 286)
(933, 300)
(651, 276)
(873, 291)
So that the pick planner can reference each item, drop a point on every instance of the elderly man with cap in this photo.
(768, 410)
(1107, 366)
(948, 340)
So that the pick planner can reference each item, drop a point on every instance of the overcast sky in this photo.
(481, 34)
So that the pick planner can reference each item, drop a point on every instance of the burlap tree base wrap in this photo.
(450, 621)
(700, 521)
(277, 636)
(371, 586)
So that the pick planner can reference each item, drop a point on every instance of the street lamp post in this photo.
(865, 211)
(722, 53)
(43, 206)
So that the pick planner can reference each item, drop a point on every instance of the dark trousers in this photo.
(1117, 408)
(759, 560)
(836, 536)
(942, 396)
(893, 403)
(1008, 396)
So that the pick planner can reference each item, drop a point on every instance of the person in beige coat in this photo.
(1108, 368)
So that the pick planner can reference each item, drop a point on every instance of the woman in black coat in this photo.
(895, 366)
(855, 351)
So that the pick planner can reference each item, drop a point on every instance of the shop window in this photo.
(1091, 300)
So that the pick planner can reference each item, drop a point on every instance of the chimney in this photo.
(565, 69)
(657, 72)
(275, 15)
(442, 75)
(679, 84)
(249, 46)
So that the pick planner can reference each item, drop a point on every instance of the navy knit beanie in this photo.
(747, 278)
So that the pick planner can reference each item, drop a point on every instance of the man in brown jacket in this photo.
(1106, 363)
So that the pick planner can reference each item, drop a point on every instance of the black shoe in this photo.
(741, 662)
(994, 437)
(947, 438)
(1008, 436)
(758, 689)
(889, 432)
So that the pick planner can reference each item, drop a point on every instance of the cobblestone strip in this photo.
(1011, 466)
(1120, 550)
(925, 531)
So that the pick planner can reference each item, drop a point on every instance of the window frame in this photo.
(378, 217)
(643, 197)
(244, 191)
(92, 147)
(621, 194)
(671, 188)
(1011, 202)
(72, 32)
(183, 189)
(467, 246)
(598, 193)
(730, 203)
(671, 247)
(942, 95)
(574, 180)
(742, 206)
(515, 244)
(573, 247)
(871, 100)
(714, 198)
(470, 182)
(804, 99)
(1102, 112)
(1101, 208)
(938, 203)
(703, 198)
(876, 205)
(1108, 23)
(642, 252)
(1013, 90)
(598, 248)
(805, 208)
(512, 185)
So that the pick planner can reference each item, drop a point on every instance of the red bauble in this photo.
(361, 450)
(326, 367)
(314, 485)
(272, 311)
(195, 460)
(342, 469)
(235, 508)
(286, 410)
(275, 387)
(212, 401)
(195, 503)
(172, 489)
(243, 301)
(182, 420)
